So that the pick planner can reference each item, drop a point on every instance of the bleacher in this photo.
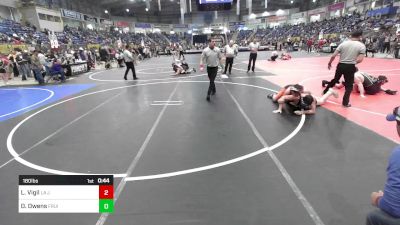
(13, 32)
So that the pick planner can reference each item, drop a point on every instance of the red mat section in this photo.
(368, 112)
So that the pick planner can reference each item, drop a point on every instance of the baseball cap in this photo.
(395, 116)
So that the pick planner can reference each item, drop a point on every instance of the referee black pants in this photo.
(228, 63)
(212, 74)
(130, 66)
(253, 58)
(181, 54)
(386, 47)
(347, 70)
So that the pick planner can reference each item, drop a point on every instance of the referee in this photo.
(211, 56)
(351, 53)
(253, 47)
(129, 60)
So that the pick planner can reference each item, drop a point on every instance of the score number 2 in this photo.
(106, 192)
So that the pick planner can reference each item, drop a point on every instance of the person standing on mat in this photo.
(351, 53)
(128, 58)
(180, 49)
(253, 47)
(388, 201)
(230, 52)
(211, 56)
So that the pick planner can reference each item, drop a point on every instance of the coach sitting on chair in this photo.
(57, 68)
(388, 201)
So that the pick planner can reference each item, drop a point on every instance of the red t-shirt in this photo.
(320, 43)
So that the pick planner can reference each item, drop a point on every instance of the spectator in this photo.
(24, 64)
(3, 70)
(37, 67)
(388, 201)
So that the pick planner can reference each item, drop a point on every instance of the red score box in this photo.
(106, 192)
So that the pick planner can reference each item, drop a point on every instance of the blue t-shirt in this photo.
(56, 68)
(390, 202)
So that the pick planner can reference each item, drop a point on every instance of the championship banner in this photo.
(276, 18)
(329, 36)
(295, 38)
(321, 35)
(93, 46)
(106, 22)
(241, 23)
(122, 24)
(90, 18)
(6, 49)
(316, 11)
(53, 40)
(143, 25)
(336, 6)
(71, 14)
(180, 26)
(236, 25)
(298, 15)
(161, 26)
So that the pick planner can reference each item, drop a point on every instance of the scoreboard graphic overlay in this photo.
(66, 194)
(214, 1)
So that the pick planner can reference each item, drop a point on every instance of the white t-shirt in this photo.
(229, 51)
(211, 57)
(127, 56)
(42, 59)
(253, 47)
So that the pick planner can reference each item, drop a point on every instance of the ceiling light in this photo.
(265, 13)
(280, 12)
(127, 10)
(106, 11)
(291, 2)
(147, 9)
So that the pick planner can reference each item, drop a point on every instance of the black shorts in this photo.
(185, 66)
(373, 89)
(175, 68)
(291, 108)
